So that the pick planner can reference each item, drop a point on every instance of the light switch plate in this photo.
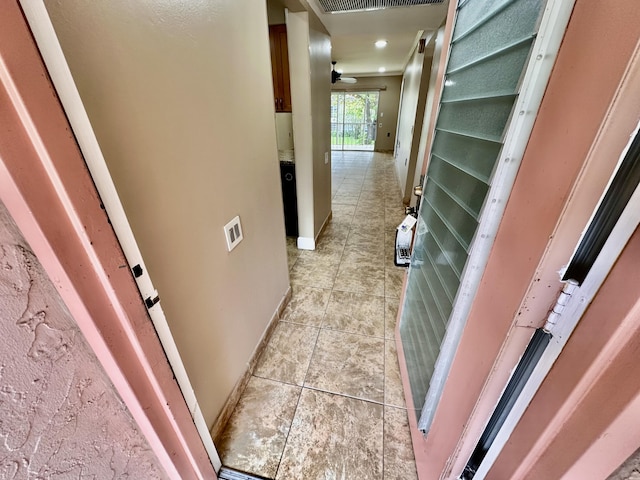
(233, 233)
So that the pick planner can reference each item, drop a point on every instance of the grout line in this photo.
(277, 381)
(286, 440)
(384, 358)
(345, 395)
(364, 335)
(311, 357)
(301, 324)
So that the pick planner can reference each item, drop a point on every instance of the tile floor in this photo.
(325, 400)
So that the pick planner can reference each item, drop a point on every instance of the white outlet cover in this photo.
(233, 233)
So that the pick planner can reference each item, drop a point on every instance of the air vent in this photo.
(338, 6)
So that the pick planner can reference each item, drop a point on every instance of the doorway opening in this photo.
(354, 117)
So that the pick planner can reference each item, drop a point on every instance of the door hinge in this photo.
(137, 271)
(151, 301)
(565, 294)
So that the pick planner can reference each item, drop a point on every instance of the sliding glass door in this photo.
(353, 120)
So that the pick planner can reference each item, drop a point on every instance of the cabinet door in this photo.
(280, 67)
(276, 65)
(284, 58)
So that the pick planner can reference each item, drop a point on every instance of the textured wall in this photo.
(60, 417)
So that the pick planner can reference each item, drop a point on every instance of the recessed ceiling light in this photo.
(382, 70)
(381, 43)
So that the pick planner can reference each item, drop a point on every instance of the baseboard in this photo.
(324, 226)
(266, 336)
(306, 243)
(238, 389)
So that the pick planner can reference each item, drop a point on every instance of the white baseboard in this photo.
(306, 243)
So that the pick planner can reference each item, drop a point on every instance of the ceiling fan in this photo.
(337, 76)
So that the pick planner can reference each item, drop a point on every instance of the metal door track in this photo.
(229, 474)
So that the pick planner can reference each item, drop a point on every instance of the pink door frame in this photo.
(47, 188)
(590, 99)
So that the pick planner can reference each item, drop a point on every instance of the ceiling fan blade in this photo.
(337, 76)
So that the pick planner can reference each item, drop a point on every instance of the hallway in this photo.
(325, 400)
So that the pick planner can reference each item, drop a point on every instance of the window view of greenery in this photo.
(353, 120)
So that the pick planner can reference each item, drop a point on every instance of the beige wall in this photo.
(388, 106)
(181, 103)
(437, 41)
(275, 10)
(309, 66)
(299, 68)
(412, 105)
(320, 54)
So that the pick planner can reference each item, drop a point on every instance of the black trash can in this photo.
(289, 198)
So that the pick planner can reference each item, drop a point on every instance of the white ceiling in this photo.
(353, 35)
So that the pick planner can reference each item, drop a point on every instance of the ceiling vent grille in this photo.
(338, 6)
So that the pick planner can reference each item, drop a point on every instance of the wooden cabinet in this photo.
(280, 67)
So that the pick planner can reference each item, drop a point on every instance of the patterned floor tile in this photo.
(334, 437)
(355, 313)
(355, 278)
(348, 364)
(255, 436)
(307, 305)
(336, 339)
(391, 306)
(393, 393)
(399, 462)
(287, 356)
(393, 279)
(313, 272)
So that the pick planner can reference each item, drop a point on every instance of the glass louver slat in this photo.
(456, 219)
(473, 156)
(465, 189)
(517, 21)
(448, 245)
(484, 118)
(494, 77)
